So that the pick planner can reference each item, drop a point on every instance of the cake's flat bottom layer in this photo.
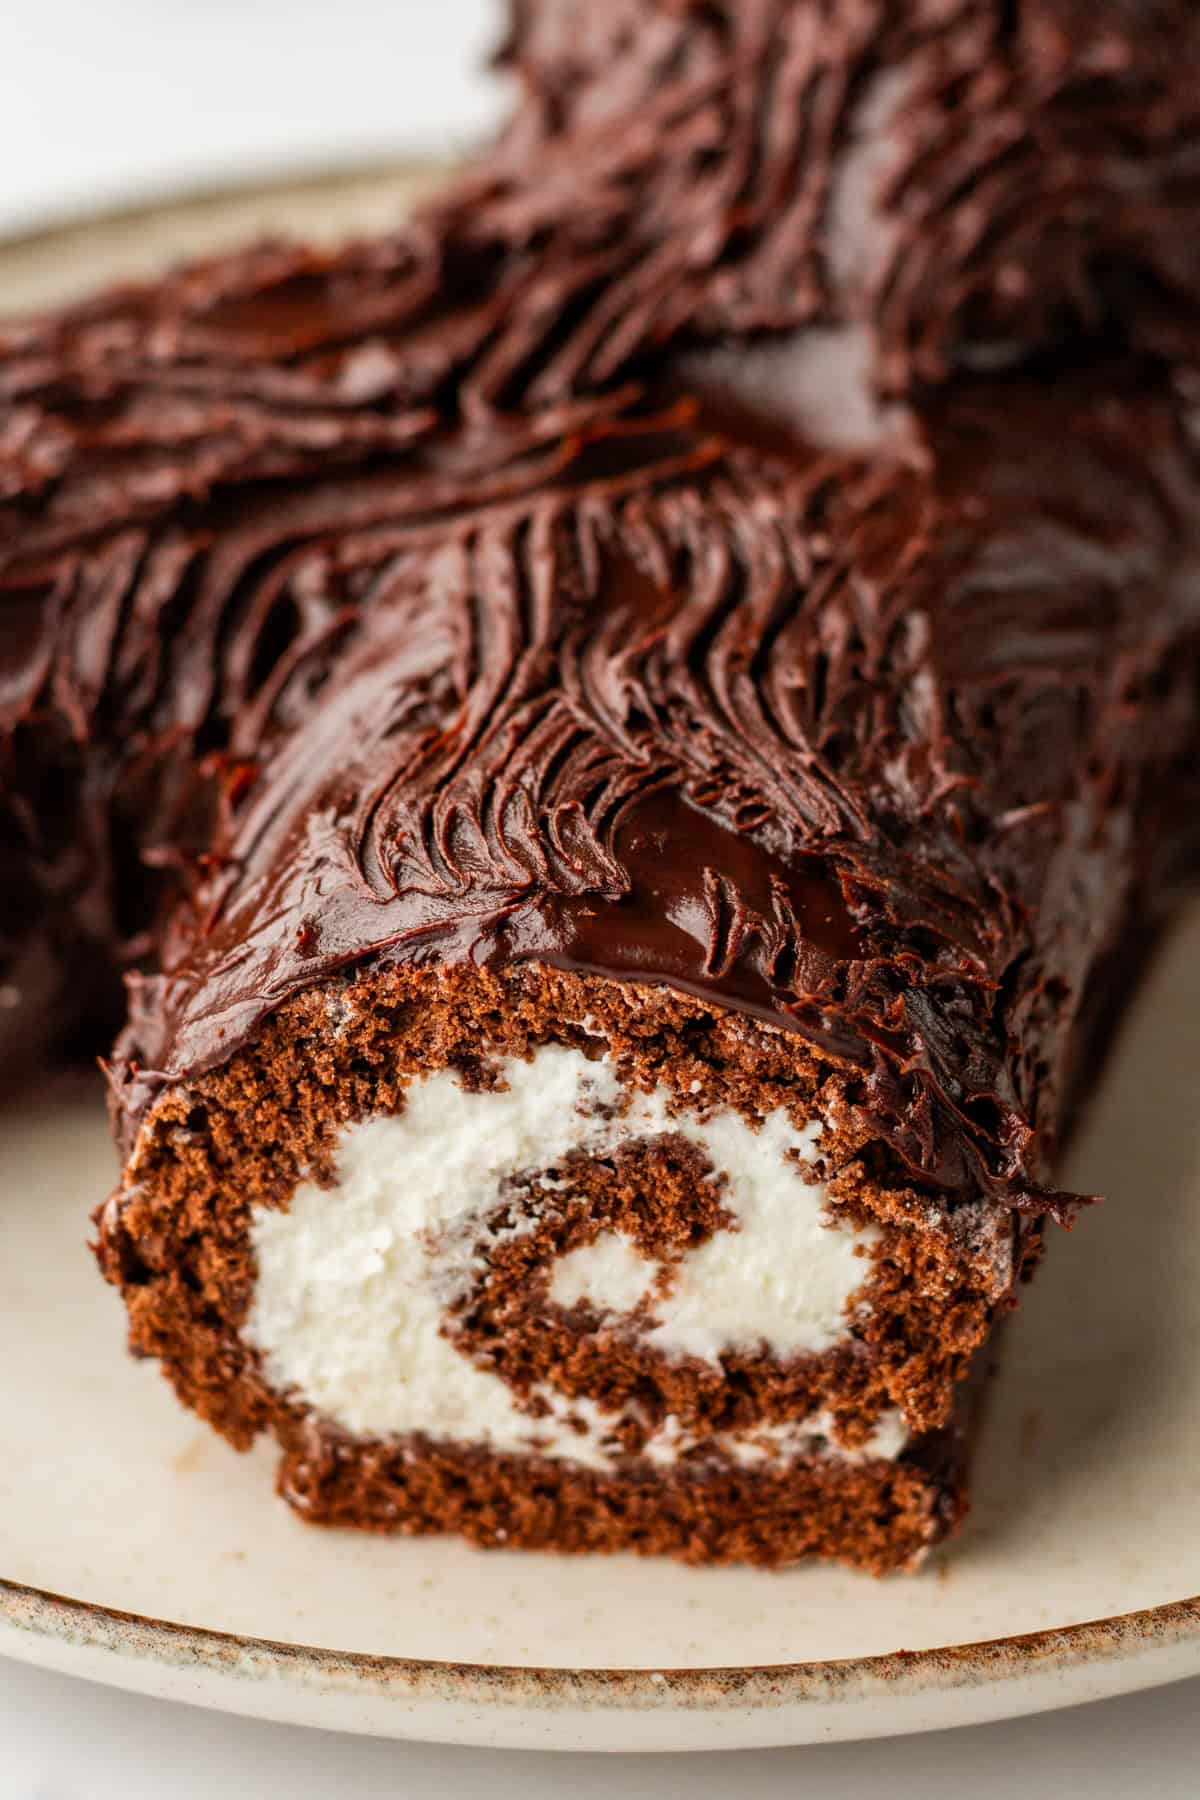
(875, 1515)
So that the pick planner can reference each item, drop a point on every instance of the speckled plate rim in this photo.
(593, 1709)
(510, 1706)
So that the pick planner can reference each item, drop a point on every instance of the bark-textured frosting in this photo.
(972, 176)
(862, 746)
(134, 430)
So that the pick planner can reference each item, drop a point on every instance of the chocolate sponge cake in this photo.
(622, 833)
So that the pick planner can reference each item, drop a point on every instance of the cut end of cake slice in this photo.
(554, 1261)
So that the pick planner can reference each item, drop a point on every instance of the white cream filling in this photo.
(764, 1444)
(610, 1273)
(779, 1281)
(355, 1282)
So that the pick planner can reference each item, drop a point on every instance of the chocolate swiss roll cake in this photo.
(968, 180)
(604, 1089)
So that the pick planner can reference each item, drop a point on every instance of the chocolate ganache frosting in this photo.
(859, 745)
(155, 444)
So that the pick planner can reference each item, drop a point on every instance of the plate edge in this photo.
(83, 1624)
(36, 1614)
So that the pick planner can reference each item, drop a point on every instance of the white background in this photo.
(106, 101)
(114, 100)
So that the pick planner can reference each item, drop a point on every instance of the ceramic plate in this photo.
(139, 1550)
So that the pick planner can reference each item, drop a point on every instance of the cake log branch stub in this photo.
(973, 183)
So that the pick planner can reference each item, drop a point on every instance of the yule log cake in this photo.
(625, 885)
